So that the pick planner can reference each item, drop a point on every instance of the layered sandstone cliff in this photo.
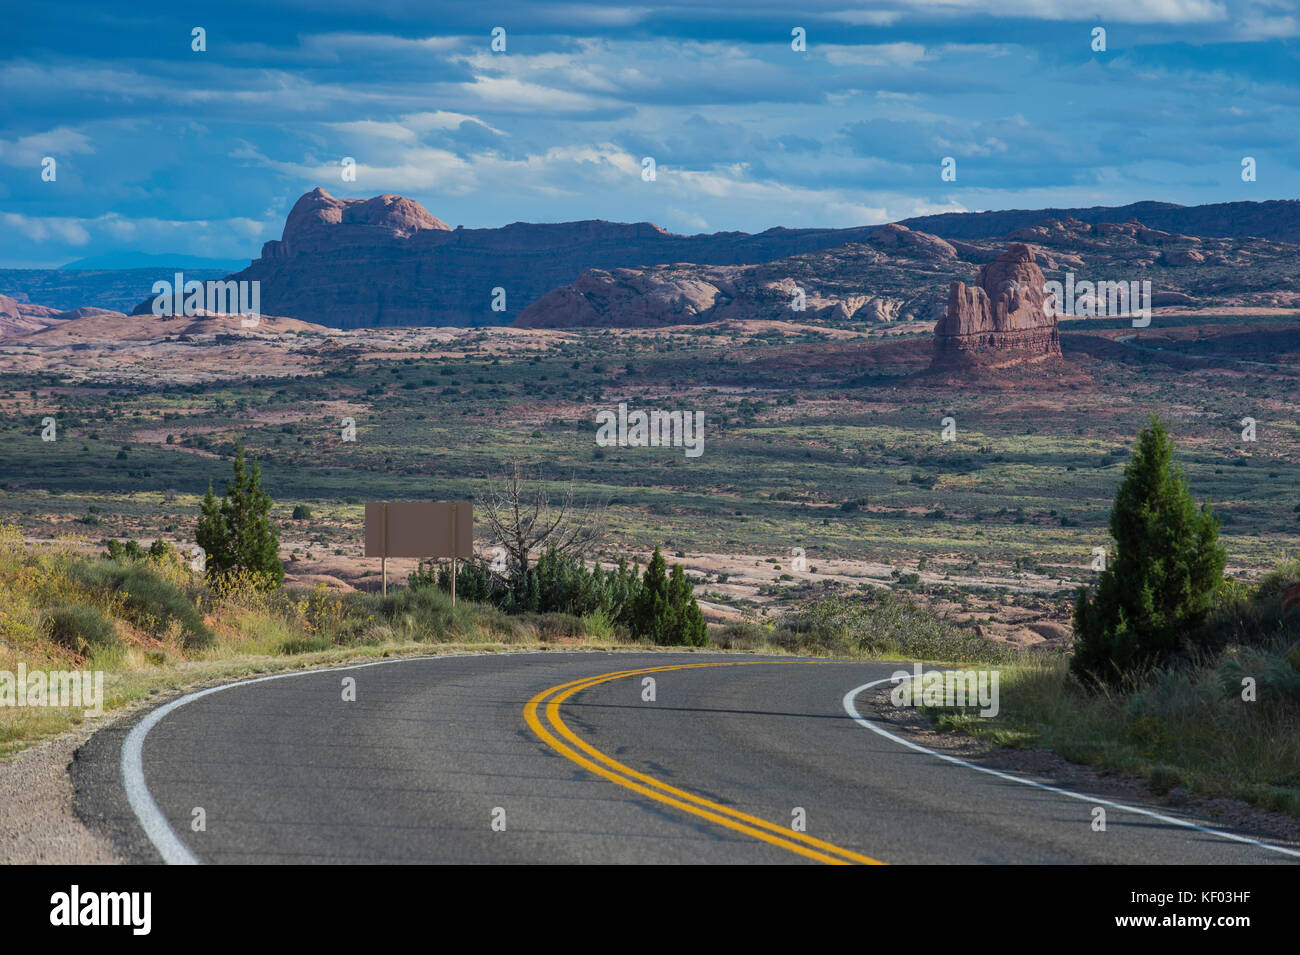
(359, 263)
(1003, 319)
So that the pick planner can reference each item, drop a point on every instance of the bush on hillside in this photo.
(148, 600)
(79, 627)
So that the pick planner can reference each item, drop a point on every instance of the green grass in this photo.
(1188, 732)
(1189, 725)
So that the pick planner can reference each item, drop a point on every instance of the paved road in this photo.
(580, 768)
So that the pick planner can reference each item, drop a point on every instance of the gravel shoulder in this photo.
(39, 824)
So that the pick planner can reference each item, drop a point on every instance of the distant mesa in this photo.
(1276, 219)
(387, 261)
(363, 263)
(1000, 321)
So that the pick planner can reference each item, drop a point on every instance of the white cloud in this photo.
(334, 47)
(880, 54)
(230, 235)
(508, 94)
(371, 129)
(30, 150)
(869, 18)
(1268, 28)
(1123, 11)
(398, 170)
(443, 119)
(409, 128)
(58, 229)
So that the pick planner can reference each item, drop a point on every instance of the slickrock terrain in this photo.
(1002, 320)
(21, 318)
(104, 327)
(887, 277)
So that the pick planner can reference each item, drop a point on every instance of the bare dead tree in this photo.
(524, 519)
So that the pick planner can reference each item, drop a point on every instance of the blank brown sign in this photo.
(420, 529)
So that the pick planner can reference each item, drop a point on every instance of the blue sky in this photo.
(163, 149)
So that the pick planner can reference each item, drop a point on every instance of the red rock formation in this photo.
(318, 222)
(358, 263)
(871, 281)
(1003, 320)
(686, 294)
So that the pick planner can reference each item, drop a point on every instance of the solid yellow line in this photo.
(625, 776)
(552, 712)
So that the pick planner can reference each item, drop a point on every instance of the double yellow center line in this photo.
(542, 713)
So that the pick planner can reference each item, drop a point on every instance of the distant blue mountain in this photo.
(118, 289)
(154, 260)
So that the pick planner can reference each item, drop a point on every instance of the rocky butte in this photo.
(1000, 321)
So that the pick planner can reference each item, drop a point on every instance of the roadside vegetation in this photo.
(155, 619)
(1183, 677)
(877, 624)
(151, 623)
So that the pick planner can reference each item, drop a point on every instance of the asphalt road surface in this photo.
(554, 758)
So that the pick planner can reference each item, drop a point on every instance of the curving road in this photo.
(557, 757)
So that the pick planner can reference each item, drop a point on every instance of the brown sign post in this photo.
(437, 529)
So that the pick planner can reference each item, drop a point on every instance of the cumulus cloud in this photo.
(64, 231)
(231, 234)
(746, 132)
(1124, 11)
(30, 150)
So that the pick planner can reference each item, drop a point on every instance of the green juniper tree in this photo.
(650, 607)
(688, 627)
(665, 609)
(1160, 584)
(236, 533)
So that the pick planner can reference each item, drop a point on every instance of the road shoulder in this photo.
(1046, 766)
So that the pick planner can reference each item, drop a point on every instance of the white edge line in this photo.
(850, 707)
(155, 824)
